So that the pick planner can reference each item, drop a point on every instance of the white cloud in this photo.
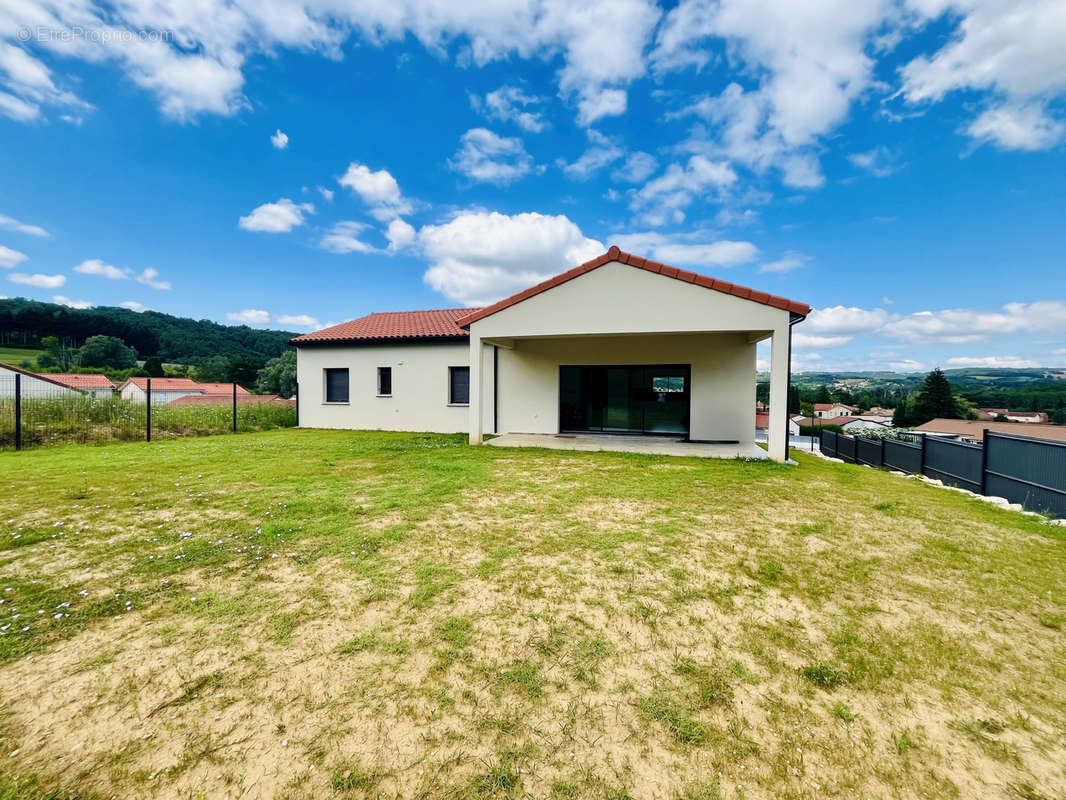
(486, 157)
(279, 217)
(688, 249)
(17, 109)
(63, 300)
(664, 198)
(12, 224)
(38, 280)
(379, 190)
(1017, 127)
(598, 103)
(400, 235)
(510, 104)
(96, 267)
(1011, 50)
(10, 258)
(907, 365)
(201, 69)
(806, 341)
(788, 263)
(1003, 362)
(150, 277)
(343, 238)
(326, 193)
(29, 85)
(250, 316)
(848, 320)
(480, 257)
(878, 161)
(601, 152)
(133, 305)
(279, 140)
(298, 321)
(957, 326)
(638, 167)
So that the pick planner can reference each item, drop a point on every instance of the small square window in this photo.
(459, 386)
(336, 385)
(384, 381)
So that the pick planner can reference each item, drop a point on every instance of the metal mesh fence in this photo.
(37, 413)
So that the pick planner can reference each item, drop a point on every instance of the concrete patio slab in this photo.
(657, 445)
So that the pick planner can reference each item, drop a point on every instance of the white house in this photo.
(832, 410)
(163, 389)
(33, 386)
(99, 387)
(619, 344)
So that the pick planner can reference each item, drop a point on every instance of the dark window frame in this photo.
(452, 371)
(326, 394)
(384, 381)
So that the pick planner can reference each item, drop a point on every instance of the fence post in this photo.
(18, 411)
(297, 405)
(921, 457)
(984, 462)
(235, 406)
(148, 411)
(882, 452)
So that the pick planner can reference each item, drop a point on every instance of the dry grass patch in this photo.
(309, 614)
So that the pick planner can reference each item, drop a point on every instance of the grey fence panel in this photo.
(868, 451)
(828, 443)
(954, 462)
(903, 456)
(846, 448)
(1027, 471)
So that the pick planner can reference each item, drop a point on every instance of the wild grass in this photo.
(302, 614)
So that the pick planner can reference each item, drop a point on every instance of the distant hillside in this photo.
(173, 339)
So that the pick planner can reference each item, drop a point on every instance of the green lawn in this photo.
(14, 356)
(302, 614)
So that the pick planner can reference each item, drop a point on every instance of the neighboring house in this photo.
(968, 430)
(616, 345)
(33, 386)
(848, 424)
(99, 387)
(877, 411)
(762, 422)
(1031, 417)
(831, 410)
(244, 399)
(167, 390)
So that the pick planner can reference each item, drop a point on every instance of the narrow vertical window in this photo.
(384, 381)
(459, 385)
(336, 385)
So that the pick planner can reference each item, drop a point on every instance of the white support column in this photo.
(779, 367)
(476, 360)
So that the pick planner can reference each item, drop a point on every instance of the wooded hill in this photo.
(173, 339)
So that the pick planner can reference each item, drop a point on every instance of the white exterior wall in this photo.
(102, 393)
(419, 400)
(721, 388)
(617, 299)
(31, 387)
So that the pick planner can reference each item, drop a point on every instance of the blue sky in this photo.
(898, 165)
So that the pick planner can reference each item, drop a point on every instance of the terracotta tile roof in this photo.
(409, 325)
(47, 378)
(827, 406)
(614, 254)
(218, 388)
(226, 399)
(165, 384)
(975, 429)
(80, 381)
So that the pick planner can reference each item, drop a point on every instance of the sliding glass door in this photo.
(625, 399)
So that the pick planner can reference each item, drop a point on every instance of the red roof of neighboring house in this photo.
(46, 378)
(165, 384)
(218, 388)
(843, 420)
(438, 324)
(614, 254)
(80, 380)
(827, 406)
(975, 429)
(224, 399)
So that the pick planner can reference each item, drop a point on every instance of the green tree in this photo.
(278, 376)
(935, 399)
(243, 369)
(154, 367)
(900, 416)
(823, 395)
(55, 354)
(107, 351)
(213, 370)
